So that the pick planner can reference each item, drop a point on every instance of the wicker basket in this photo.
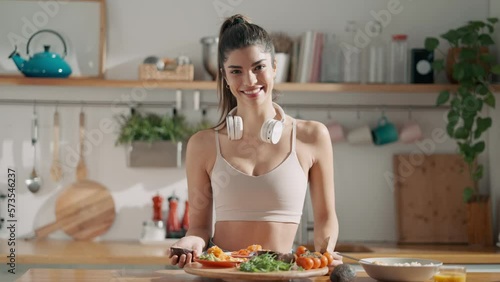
(181, 72)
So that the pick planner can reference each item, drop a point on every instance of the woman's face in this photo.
(250, 73)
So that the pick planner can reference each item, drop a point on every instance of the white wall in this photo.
(136, 29)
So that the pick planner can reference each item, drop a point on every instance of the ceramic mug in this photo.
(410, 132)
(385, 132)
(360, 135)
(336, 132)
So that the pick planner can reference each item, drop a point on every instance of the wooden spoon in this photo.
(81, 168)
(56, 169)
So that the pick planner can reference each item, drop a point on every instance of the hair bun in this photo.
(238, 20)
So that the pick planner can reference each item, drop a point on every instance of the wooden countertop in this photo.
(81, 252)
(70, 275)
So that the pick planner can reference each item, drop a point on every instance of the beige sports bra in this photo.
(277, 195)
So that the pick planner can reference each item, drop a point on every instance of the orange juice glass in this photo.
(450, 273)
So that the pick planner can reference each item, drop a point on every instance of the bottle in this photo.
(351, 55)
(157, 203)
(376, 55)
(398, 66)
(331, 65)
(173, 224)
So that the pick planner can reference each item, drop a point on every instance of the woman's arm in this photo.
(198, 158)
(199, 186)
(322, 188)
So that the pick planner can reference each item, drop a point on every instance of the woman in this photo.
(253, 169)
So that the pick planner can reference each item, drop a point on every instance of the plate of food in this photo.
(216, 257)
(261, 266)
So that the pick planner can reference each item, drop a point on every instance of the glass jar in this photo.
(376, 55)
(351, 55)
(398, 65)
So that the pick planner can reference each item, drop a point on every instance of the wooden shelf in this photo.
(210, 85)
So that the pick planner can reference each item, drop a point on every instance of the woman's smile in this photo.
(254, 92)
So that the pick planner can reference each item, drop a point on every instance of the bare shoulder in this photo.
(202, 143)
(312, 132)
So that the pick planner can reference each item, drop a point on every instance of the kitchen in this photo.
(135, 31)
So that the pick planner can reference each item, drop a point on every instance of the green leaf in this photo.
(495, 69)
(478, 70)
(486, 58)
(482, 124)
(459, 71)
(478, 173)
(482, 89)
(451, 36)
(456, 104)
(431, 43)
(479, 147)
(443, 97)
(485, 40)
(450, 129)
(490, 28)
(467, 54)
(490, 100)
(461, 133)
(469, 39)
(438, 65)
(492, 20)
(467, 194)
(453, 116)
(469, 122)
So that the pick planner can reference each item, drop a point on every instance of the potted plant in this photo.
(154, 140)
(471, 66)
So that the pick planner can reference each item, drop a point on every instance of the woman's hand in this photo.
(193, 243)
(337, 259)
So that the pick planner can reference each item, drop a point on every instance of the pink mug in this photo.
(410, 132)
(336, 132)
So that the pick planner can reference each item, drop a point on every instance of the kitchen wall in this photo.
(136, 29)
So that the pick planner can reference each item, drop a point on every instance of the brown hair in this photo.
(237, 32)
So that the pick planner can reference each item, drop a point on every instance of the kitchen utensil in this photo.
(43, 64)
(210, 55)
(84, 210)
(385, 132)
(351, 257)
(384, 269)
(56, 169)
(81, 168)
(428, 194)
(34, 182)
(173, 225)
(361, 135)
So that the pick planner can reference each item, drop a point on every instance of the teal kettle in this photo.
(42, 64)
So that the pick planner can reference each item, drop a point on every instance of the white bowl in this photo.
(390, 272)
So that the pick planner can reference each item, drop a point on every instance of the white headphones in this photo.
(270, 131)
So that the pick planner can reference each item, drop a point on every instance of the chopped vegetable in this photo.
(265, 263)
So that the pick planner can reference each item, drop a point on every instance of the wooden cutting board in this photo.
(234, 274)
(90, 207)
(428, 194)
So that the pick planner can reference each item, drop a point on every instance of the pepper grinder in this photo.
(173, 225)
(153, 230)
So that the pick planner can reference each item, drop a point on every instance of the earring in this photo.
(227, 86)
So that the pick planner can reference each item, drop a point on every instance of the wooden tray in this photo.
(229, 274)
